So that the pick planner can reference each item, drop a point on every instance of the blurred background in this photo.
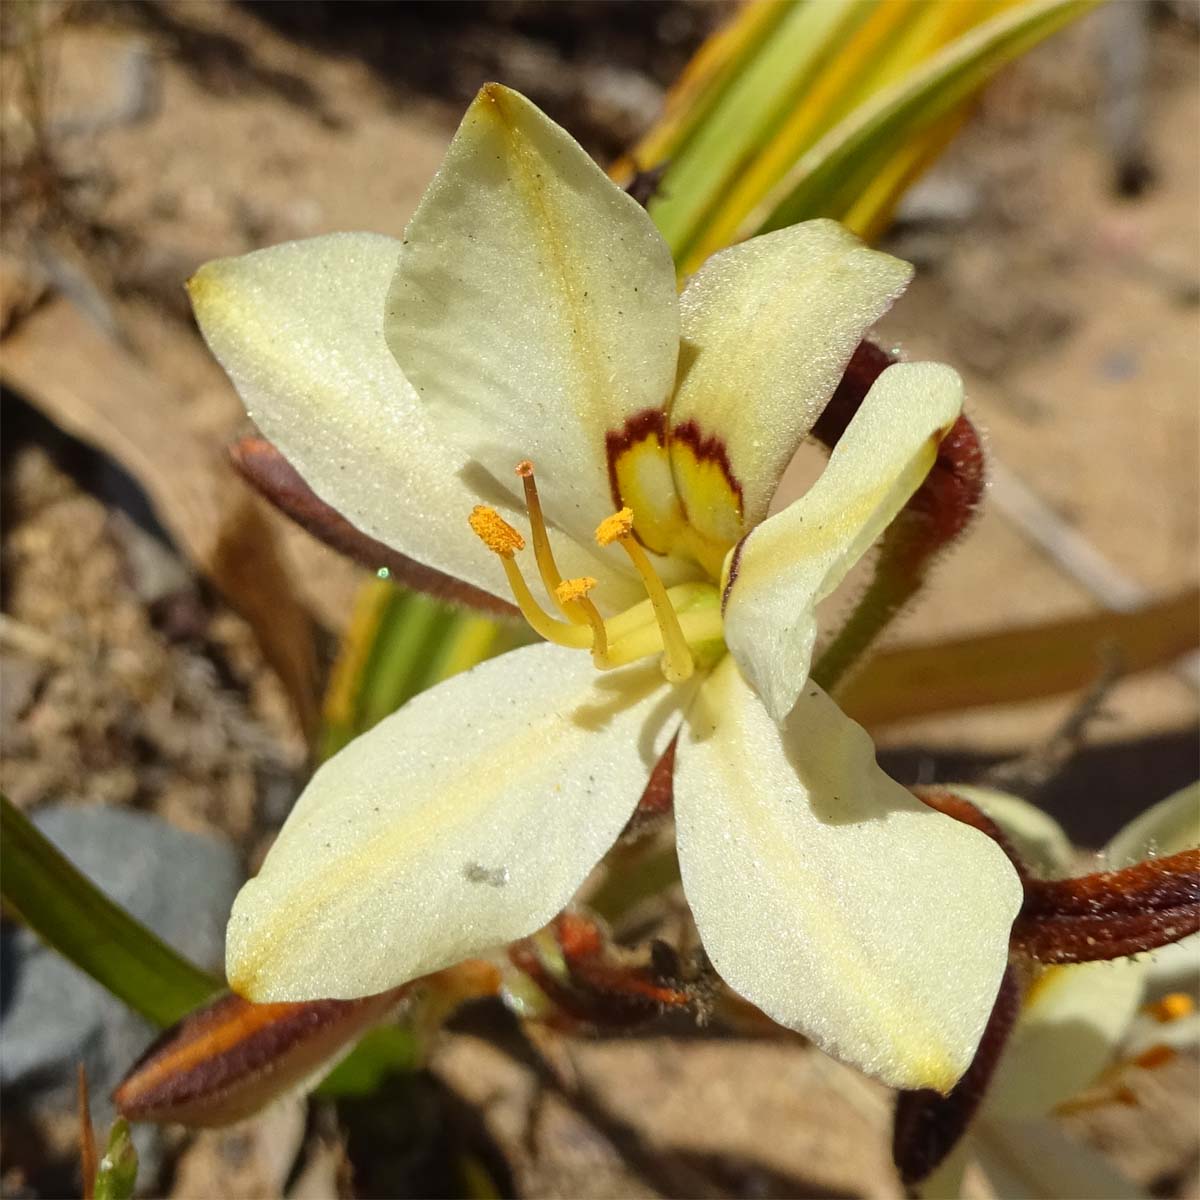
(166, 638)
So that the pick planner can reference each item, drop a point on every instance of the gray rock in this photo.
(52, 1016)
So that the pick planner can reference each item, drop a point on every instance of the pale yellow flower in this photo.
(1076, 1023)
(530, 319)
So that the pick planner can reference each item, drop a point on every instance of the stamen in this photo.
(614, 528)
(570, 590)
(670, 621)
(503, 540)
(494, 531)
(572, 596)
(1171, 1007)
(677, 661)
(699, 625)
(682, 596)
(561, 632)
(547, 567)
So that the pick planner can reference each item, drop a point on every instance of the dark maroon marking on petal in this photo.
(735, 566)
(261, 464)
(226, 1060)
(650, 422)
(1111, 914)
(929, 1125)
(710, 449)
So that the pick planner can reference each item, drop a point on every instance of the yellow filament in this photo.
(541, 622)
(503, 540)
(654, 624)
(572, 596)
(682, 596)
(547, 567)
(699, 625)
(677, 661)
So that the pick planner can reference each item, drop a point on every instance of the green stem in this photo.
(634, 874)
(884, 599)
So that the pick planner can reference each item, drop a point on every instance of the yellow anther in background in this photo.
(495, 532)
(614, 528)
(574, 589)
(1172, 1007)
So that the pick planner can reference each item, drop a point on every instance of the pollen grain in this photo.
(572, 597)
(574, 589)
(614, 528)
(495, 532)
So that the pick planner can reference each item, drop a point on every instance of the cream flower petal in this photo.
(534, 306)
(1071, 1024)
(767, 328)
(1074, 1019)
(783, 568)
(1168, 827)
(829, 896)
(299, 329)
(1036, 1160)
(463, 821)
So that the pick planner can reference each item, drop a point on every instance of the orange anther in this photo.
(615, 528)
(1172, 1007)
(495, 532)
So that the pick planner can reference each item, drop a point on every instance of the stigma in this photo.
(673, 622)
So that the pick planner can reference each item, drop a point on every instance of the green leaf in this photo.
(822, 108)
(769, 80)
(72, 915)
(831, 179)
(399, 643)
(116, 1175)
